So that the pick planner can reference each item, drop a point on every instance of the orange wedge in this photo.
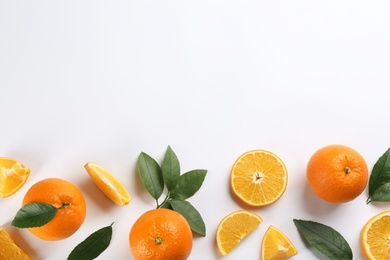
(375, 237)
(13, 175)
(108, 184)
(8, 248)
(235, 227)
(258, 178)
(276, 246)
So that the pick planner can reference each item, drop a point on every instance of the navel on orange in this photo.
(337, 173)
(276, 246)
(235, 227)
(258, 178)
(13, 175)
(8, 248)
(108, 184)
(375, 237)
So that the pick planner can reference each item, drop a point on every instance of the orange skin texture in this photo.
(161, 234)
(327, 173)
(68, 220)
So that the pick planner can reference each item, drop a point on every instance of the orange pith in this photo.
(108, 184)
(235, 227)
(58, 192)
(276, 246)
(8, 248)
(375, 237)
(337, 173)
(13, 175)
(160, 234)
(258, 178)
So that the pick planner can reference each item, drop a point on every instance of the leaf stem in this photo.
(162, 203)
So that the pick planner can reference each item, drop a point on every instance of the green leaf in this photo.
(188, 184)
(190, 214)
(327, 240)
(35, 214)
(151, 175)
(93, 245)
(170, 168)
(378, 185)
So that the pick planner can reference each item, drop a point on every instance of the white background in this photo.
(104, 80)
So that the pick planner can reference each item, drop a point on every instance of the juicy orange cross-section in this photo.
(108, 184)
(235, 227)
(8, 248)
(13, 175)
(258, 178)
(276, 245)
(375, 237)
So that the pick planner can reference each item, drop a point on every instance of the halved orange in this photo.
(235, 227)
(276, 245)
(108, 184)
(13, 175)
(8, 248)
(258, 178)
(375, 237)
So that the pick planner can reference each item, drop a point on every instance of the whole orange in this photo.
(337, 173)
(68, 198)
(161, 234)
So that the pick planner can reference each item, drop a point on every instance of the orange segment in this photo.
(258, 178)
(13, 175)
(276, 246)
(235, 227)
(8, 248)
(375, 237)
(108, 184)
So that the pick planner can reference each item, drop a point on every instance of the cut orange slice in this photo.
(235, 227)
(375, 237)
(13, 175)
(258, 178)
(8, 248)
(276, 245)
(108, 184)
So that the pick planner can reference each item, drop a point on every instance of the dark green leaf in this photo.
(327, 240)
(188, 184)
(170, 168)
(380, 179)
(191, 215)
(151, 175)
(166, 205)
(93, 245)
(35, 214)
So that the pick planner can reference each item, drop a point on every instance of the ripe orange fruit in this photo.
(258, 178)
(375, 237)
(13, 175)
(234, 227)
(8, 248)
(337, 173)
(161, 234)
(276, 245)
(108, 184)
(59, 193)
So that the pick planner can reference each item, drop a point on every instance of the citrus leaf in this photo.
(93, 245)
(327, 240)
(378, 185)
(192, 216)
(170, 168)
(188, 184)
(34, 214)
(151, 176)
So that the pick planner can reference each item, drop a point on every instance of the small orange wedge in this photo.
(8, 248)
(13, 175)
(108, 184)
(258, 178)
(276, 246)
(375, 237)
(235, 227)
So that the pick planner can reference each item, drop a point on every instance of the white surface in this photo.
(104, 80)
